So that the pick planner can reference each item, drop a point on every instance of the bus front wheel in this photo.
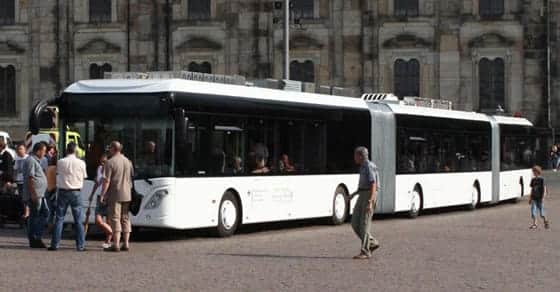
(415, 204)
(228, 215)
(340, 206)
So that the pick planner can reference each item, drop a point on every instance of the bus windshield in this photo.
(147, 142)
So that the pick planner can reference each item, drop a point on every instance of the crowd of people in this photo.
(48, 186)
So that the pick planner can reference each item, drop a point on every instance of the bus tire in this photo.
(340, 206)
(475, 197)
(228, 215)
(415, 203)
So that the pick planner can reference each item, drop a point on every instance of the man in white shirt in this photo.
(71, 172)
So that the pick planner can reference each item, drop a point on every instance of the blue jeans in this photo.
(38, 214)
(537, 207)
(51, 203)
(70, 199)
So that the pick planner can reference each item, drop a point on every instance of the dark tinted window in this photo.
(407, 78)
(303, 8)
(7, 12)
(98, 71)
(100, 10)
(491, 84)
(491, 8)
(231, 145)
(517, 149)
(203, 67)
(406, 7)
(431, 145)
(199, 9)
(348, 131)
(302, 71)
(7, 90)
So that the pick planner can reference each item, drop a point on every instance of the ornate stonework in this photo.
(352, 43)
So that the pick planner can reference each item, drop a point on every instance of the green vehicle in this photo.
(49, 131)
(71, 136)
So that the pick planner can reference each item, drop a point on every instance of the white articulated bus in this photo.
(217, 155)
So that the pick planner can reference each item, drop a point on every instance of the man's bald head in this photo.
(115, 147)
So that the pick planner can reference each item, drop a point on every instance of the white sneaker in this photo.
(555, 170)
(106, 245)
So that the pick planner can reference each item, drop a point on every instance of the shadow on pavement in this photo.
(15, 246)
(277, 256)
(151, 235)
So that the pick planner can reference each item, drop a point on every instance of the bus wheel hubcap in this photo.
(339, 205)
(474, 196)
(415, 202)
(229, 214)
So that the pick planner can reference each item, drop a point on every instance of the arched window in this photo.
(406, 7)
(98, 72)
(302, 71)
(199, 9)
(407, 78)
(7, 12)
(491, 8)
(303, 9)
(203, 67)
(7, 90)
(99, 11)
(491, 84)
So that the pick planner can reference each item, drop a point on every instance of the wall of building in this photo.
(352, 43)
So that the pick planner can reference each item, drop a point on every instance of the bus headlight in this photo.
(156, 199)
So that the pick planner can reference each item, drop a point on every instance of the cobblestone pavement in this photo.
(489, 249)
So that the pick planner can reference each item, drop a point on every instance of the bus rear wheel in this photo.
(228, 215)
(415, 204)
(475, 198)
(340, 206)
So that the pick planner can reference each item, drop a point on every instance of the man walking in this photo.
(34, 188)
(117, 184)
(367, 197)
(71, 172)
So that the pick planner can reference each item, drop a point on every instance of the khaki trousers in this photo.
(361, 222)
(118, 217)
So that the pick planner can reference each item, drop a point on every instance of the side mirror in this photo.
(37, 113)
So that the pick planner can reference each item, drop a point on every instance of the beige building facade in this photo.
(480, 54)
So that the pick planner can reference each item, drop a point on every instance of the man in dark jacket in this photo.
(6, 164)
